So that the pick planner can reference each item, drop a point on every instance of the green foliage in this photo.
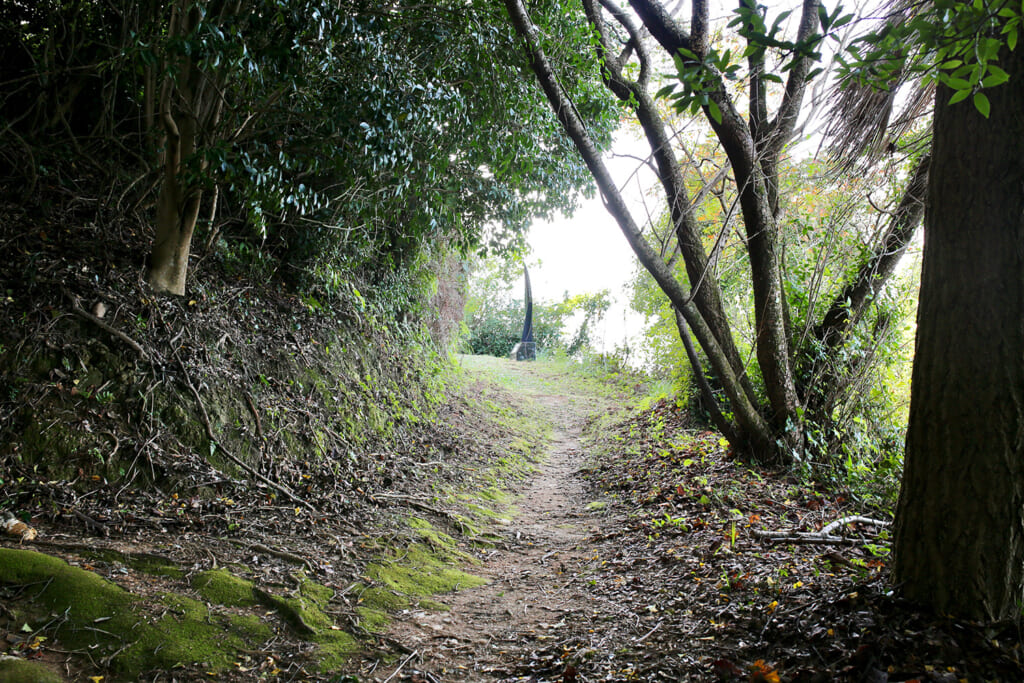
(827, 234)
(494, 318)
(350, 137)
(698, 77)
(952, 42)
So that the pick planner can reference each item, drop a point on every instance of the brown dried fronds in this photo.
(866, 120)
(866, 123)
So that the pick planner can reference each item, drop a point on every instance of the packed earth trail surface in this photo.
(641, 550)
(535, 574)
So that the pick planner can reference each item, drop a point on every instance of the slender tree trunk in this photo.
(960, 520)
(718, 418)
(753, 430)
(848, 307)
(190, 108)
(177, 211)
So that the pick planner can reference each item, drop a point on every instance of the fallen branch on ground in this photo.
(281, 554)
(823, 536)
(401, 666)
(77, 309)
(415, 503)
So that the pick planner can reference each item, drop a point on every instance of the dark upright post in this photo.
(526, 349)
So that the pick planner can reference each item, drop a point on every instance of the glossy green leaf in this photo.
(982, 104)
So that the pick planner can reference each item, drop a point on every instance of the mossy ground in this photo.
(100, 614)
(160, 632)
(222, 587)
(19, 671)
(188, 632)
(421, 572)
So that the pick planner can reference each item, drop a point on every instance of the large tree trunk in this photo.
(960, 520)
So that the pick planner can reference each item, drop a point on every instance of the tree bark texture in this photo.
(959, 545)
(190, 109)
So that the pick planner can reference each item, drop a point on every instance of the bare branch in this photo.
(851, 303)
(792, 99)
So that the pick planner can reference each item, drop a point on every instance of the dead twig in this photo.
(415, 503)
(282, 554)
(853, 519)
(648, 634)
(77, 309)
(401, 665)
(824, 536)
(90, 522)
(256, 416)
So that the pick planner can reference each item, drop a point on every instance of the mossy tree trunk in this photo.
(960, 519)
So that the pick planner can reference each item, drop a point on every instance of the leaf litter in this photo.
(680, 576)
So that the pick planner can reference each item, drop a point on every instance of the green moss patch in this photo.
(104, 617)
(419, 572)
(372, 620)
(86, 598)
(380, 598)
(221, 587)
(375, 604)
(411, 577)
(19, 671)
(187, 632)
(439, 540)
(147, 564)
(305, 613)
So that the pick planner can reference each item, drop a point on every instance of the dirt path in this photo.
(534, 589)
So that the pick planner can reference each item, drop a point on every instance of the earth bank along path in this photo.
(536, 592)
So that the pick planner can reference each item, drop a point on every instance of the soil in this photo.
(534, 581)
(638, 549)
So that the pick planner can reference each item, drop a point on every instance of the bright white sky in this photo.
(588, 253)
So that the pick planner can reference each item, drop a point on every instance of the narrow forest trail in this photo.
(535, 588)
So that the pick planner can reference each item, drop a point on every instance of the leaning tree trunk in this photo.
(960, 520)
